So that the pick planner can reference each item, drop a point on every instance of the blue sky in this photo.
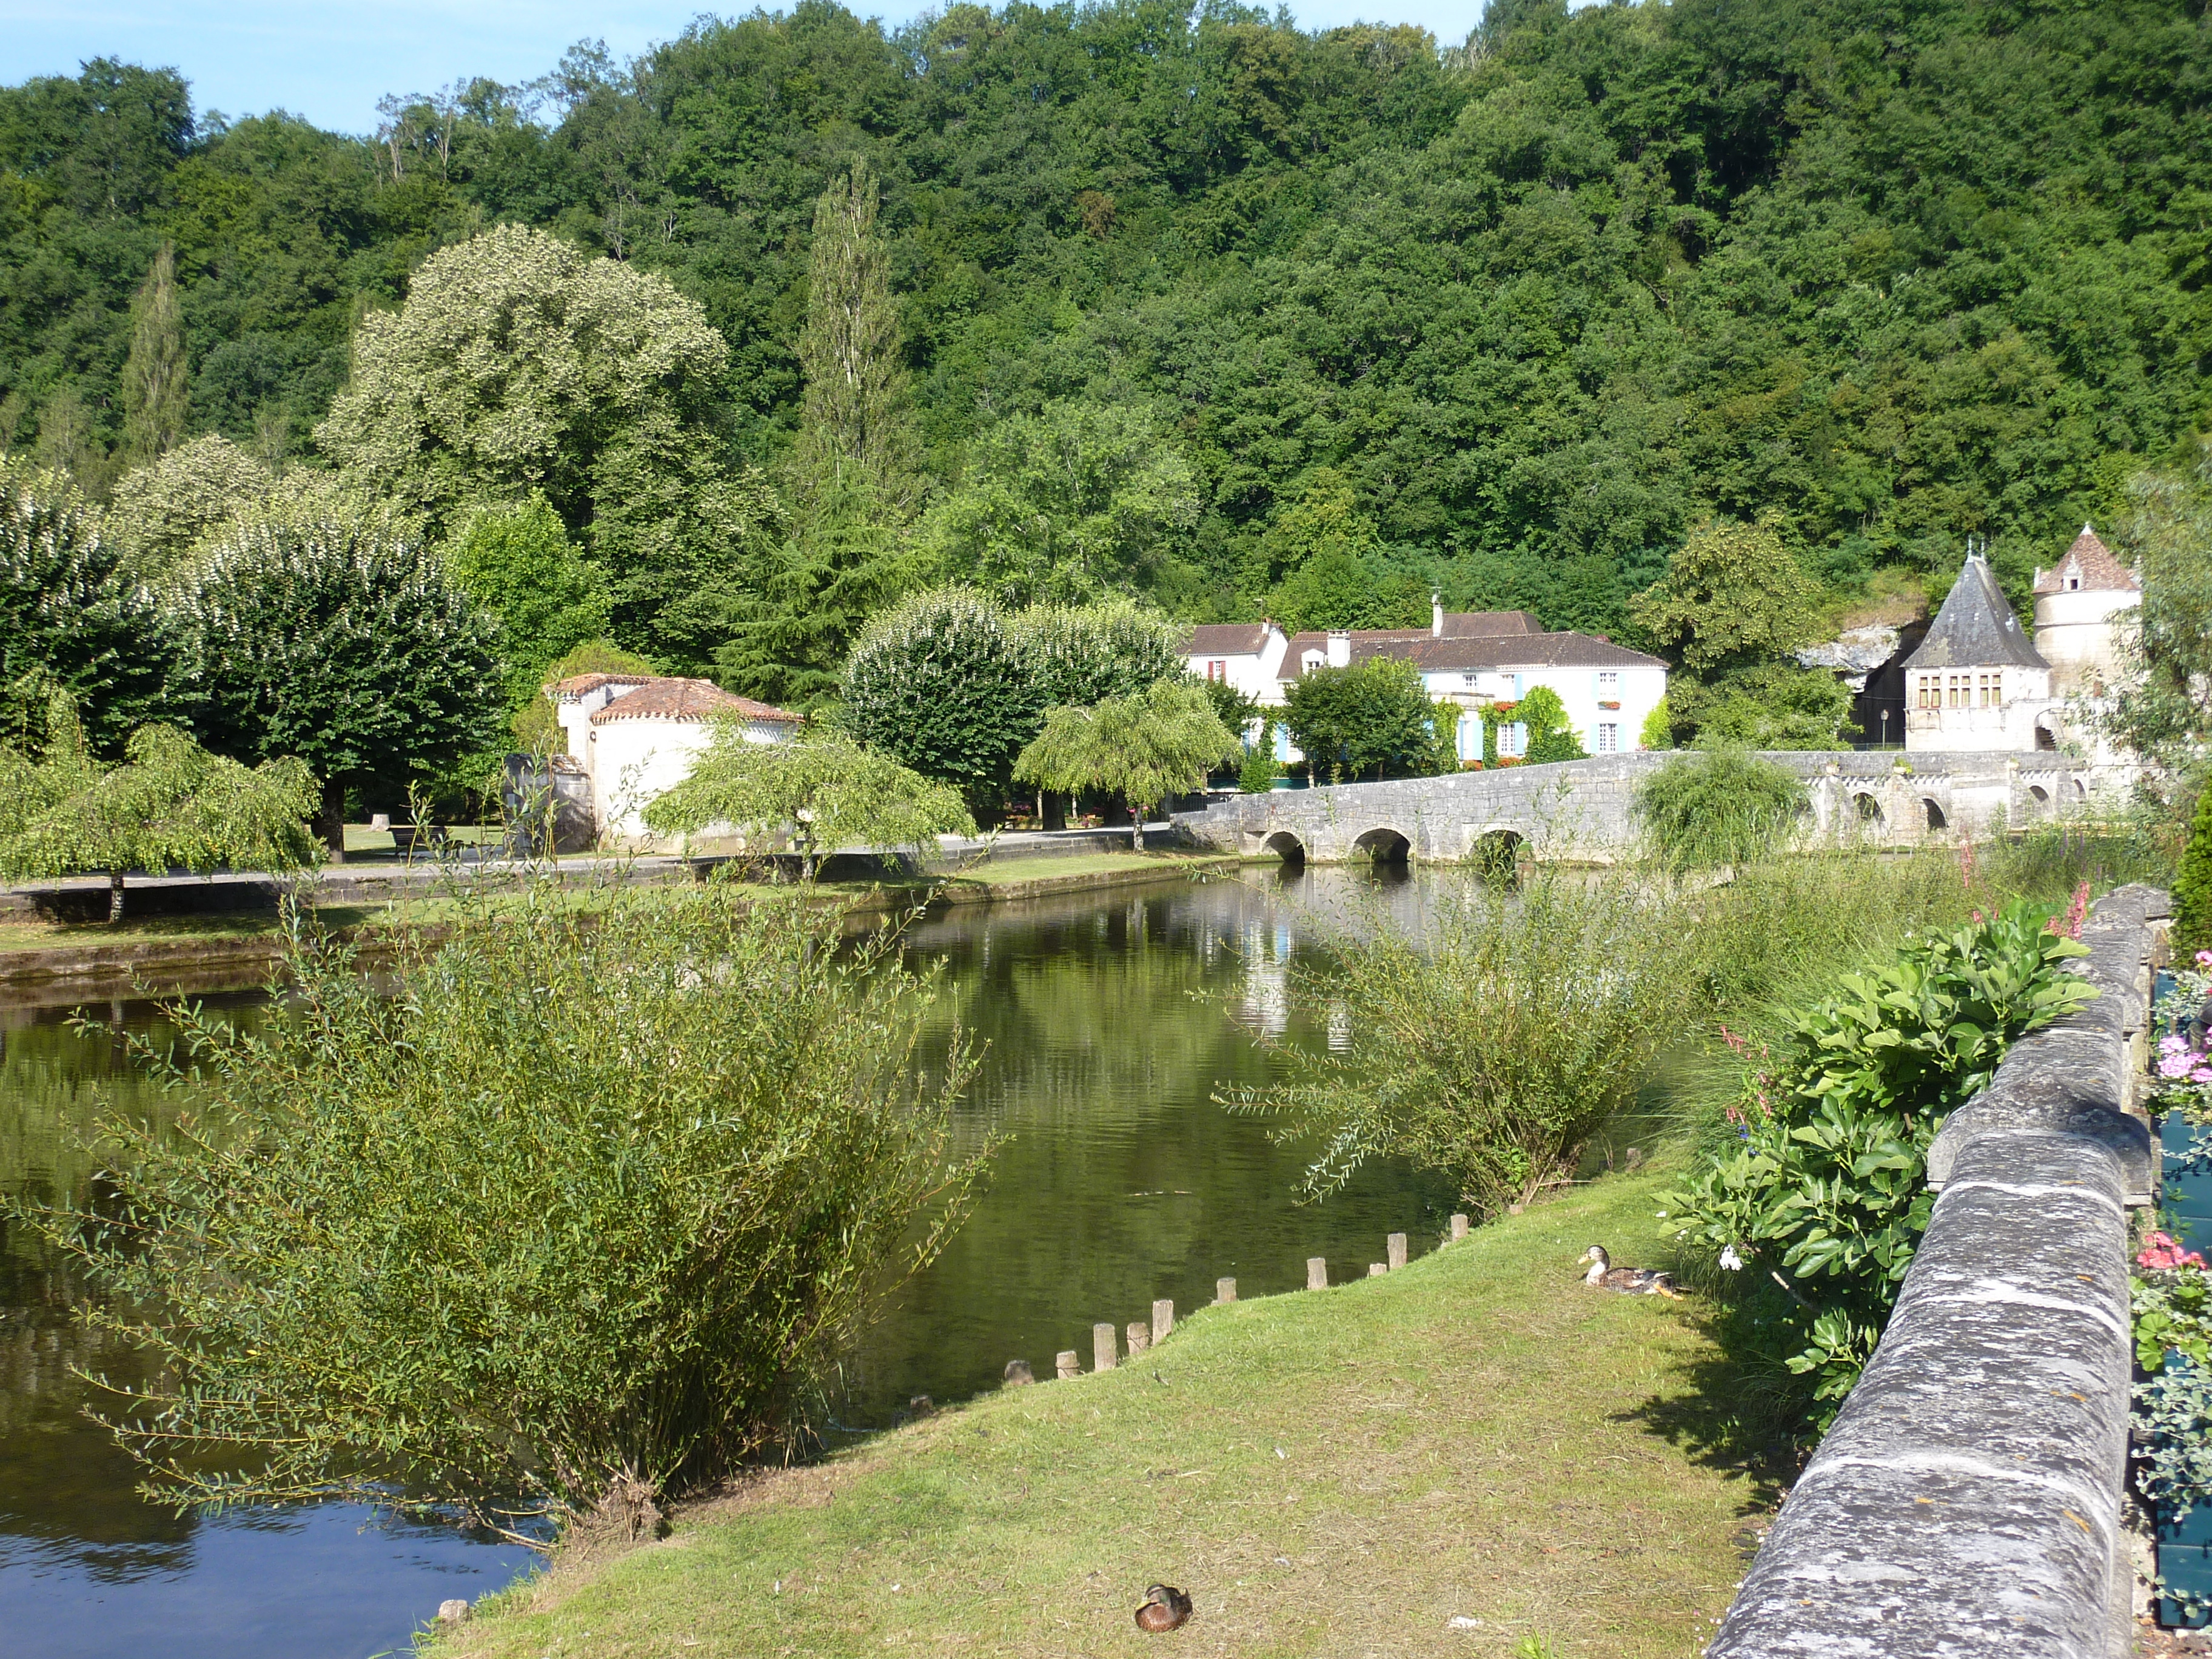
(330, 64)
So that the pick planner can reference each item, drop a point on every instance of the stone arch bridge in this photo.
(1580, 810)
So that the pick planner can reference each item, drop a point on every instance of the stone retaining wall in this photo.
(1968, 1499)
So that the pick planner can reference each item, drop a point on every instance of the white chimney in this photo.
(1339, 648)
(1436, 615)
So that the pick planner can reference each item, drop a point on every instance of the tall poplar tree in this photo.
(157, 392)
(853, 472)
(857, 415)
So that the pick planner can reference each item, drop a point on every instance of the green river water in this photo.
(1110, 1019)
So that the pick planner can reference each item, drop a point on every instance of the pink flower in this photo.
(2204, 958)
(2160, 1252)
(2173, 1065)
(2202, 1074)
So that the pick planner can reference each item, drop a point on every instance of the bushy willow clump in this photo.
(1494, 1046)
(583, 1208)
(1721, 806)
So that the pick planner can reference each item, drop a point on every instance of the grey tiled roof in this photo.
(1976, 628)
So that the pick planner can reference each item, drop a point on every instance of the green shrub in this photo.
(1550, 736)
(2192, 883)
(586, 1202)
(1260, 770)
(1823, 1194)
(1493, 1047)
(1722, 807)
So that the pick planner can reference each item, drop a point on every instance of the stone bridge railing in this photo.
(1969, 1498)
(1582, 809)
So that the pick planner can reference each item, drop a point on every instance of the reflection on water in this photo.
(1109, 1022)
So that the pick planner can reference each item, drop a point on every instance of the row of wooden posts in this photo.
(1104, 1351)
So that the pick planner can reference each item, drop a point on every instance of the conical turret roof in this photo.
(1976, 628)
(2088, 566)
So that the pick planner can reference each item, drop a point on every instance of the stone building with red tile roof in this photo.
(637, 736)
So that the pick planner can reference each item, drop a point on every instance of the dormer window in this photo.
(1312, 659)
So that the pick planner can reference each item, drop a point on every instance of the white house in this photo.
(1475, 657)
(1247, 655)
(637, 735)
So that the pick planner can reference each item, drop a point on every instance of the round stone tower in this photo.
(2074, 605)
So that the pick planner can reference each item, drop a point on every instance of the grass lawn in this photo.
(167, 930)
(1341, 1472)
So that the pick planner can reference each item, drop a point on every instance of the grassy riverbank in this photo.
(1339, 1472)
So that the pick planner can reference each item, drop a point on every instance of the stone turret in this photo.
(2077, 603)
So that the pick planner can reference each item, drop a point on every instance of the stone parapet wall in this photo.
(1582, 809)
(1968, 1499)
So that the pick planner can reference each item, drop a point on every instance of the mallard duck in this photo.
(1628, 1281)
(1165, 1607)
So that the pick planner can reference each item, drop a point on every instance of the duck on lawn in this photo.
(1628, 1281)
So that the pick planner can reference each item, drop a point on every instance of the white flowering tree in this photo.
(520, 363)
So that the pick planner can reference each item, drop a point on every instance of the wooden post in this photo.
(1064, 1363)
(1316, 1272)
(1162, 1320)
(1394, 1248)
(1459, 1228)
(1018, 1373)
(1224, 1289)
(1376, 1270)
(1101, 1347)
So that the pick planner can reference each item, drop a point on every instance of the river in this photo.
(1109, 1019)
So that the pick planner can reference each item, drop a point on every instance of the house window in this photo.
(1312, 659)
(1216, 669)
(1512, 739)
(1470, 680)
(1608, 740)
(1608, 685)
(1958, 691)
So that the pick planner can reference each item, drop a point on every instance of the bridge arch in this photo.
(1384, 845)
(1495, 853)
(1869, 807)
(1287, 848)
(1931, 810)
(2039, 800)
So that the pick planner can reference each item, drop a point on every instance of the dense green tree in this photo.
(1143, 747)
(1541, 305)
(71, 612)
(2163, 705)
(1078, 500)
(942, 683)
(1733, 598)
(170, 805)
(336, 641)
(1372, 717)
(519, 564)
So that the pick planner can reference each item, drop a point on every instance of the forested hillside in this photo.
(1184, 303)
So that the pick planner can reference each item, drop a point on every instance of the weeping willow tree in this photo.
(1144, 747)
(827, 790)
(170, 806)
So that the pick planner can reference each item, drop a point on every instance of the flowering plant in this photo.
(2182, 1070)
